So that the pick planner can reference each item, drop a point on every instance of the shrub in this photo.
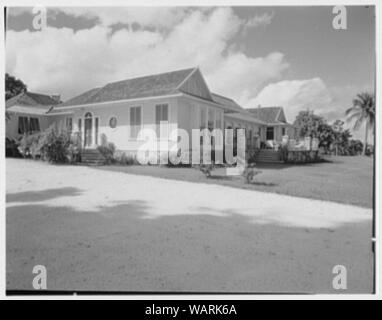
(125, 160)
(29, 146)
(11, 148)
(107, 149)
(284, 152)
(206, 169)
(54, 145)
(250, 172)
(74, 149)
(51, 145)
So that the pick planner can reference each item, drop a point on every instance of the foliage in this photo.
(355, 147)
(125, 160)
(284, 152)
(107, 149)
(250, 172)
(50, 145)
(369, 150)
(54, 146)
(332, 138)
(363, 111)
(207, 169)
(29, 146)
(308, 124)
(13, 86)
(11, 148)
(74, 149)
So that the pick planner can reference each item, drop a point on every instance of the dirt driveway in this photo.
(100, 230)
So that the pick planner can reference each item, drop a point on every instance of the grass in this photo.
(346, 180)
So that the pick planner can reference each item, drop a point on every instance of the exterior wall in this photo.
(257, 131)
(12, 124)
(189, 114)
(196, 86)
(278, 132)
(120, 135)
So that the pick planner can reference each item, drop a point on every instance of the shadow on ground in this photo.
(37, 196)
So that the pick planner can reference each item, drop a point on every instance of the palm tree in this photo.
(363, 111)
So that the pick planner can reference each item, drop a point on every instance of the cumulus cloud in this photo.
(295, 95)
(310, 94)
(68, 62)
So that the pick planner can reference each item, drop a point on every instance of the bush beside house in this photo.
(51, 145)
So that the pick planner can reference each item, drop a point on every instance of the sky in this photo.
(267, 56)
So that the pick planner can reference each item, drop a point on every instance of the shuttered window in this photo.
(23, 125)
(34, 125)
(161, 114)
(135, 121)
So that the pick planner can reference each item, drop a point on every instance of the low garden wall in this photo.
(301, 156)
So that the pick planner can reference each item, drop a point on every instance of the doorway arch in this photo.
(88, 129)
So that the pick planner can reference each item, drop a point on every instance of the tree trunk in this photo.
(366, 134)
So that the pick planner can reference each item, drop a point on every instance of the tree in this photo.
(355, 147)
(310, 125)
(363, 111)
(13, 86)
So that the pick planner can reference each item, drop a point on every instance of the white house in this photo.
(119, 110)
(277, 124)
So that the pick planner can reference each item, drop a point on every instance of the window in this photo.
(135, 121)
(34, 125)
(270, 133)
(161, 114)
(69, 124)
(113, 122)
(23, 125)
(283, 131)
(79, 125)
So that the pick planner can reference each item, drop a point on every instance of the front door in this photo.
(270, 133)
(88, 130)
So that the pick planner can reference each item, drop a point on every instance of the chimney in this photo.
(56, 97)
(259, 106)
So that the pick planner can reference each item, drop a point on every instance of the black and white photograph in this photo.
(190, 150)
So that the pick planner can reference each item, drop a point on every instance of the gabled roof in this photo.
(234, 110)
(31, 99)
(227, 102)
(141, 87)
(268, 114)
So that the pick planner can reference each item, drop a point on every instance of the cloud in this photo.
(260, 20)
(310, 94)
(295, 95)
(157, 17)
(68, 62)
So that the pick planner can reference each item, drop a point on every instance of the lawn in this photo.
(347, 180)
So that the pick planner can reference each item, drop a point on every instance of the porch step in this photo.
(92, 157)
(268, 156)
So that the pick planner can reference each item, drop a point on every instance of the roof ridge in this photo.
(146, 76)
(37, 94)
(216, 94)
